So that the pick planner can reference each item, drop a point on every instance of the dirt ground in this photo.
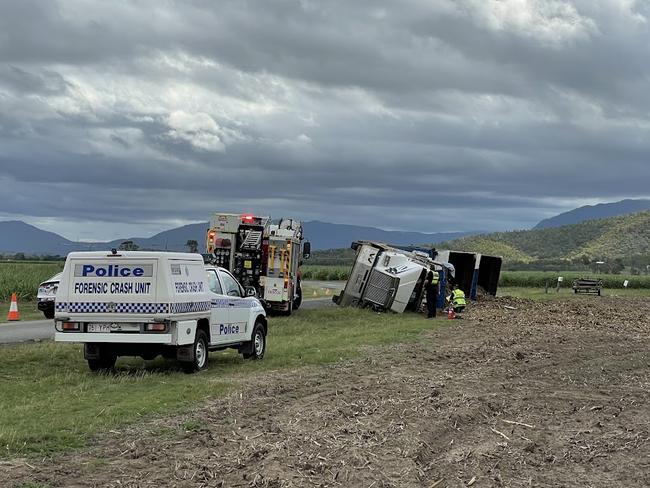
(519, 393)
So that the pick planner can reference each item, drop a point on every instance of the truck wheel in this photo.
(200, 354)
(106, 360)
(255, 348)
(297, 301)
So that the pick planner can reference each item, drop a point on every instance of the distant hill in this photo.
(593, 212)
(599, 239)
(17, 236)
(324, 235)
(169, 240)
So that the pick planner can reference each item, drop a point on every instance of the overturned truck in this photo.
(385, 277)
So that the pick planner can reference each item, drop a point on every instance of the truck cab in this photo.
(134, 303)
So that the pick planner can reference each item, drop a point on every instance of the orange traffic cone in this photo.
(13, 309)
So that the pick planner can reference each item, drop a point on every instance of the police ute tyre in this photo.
(200, 354)
(105, 362)
(256, 348)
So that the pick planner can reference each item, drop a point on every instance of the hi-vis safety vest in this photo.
(458, 298)
(435, 279)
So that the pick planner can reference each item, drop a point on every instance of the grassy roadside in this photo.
(51, 403)
(28, 310)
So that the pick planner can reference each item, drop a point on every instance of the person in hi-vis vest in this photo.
(431, 287)
(458, 301)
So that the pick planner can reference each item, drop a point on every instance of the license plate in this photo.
(103, 328)
(274, 292)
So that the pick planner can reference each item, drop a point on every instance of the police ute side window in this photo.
(213, 282)
(230, 285)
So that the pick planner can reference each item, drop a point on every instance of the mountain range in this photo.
(593, 212)
(588, 229)
(615, 237)
(17, 236)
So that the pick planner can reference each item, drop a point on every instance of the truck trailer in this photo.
(261, 254)
(474, 273)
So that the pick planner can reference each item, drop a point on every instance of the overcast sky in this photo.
(129, 117)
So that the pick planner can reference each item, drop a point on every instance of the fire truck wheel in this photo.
(298, 300)
(255, 348)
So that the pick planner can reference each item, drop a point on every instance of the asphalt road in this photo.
(34, 330)
(332, 285)
(40, 330)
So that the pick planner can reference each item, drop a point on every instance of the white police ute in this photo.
(137, 303)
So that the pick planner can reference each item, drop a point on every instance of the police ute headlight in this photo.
(156, 327)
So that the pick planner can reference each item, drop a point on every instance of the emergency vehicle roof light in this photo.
(247, 217)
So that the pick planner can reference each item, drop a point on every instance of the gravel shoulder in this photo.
(519, 393)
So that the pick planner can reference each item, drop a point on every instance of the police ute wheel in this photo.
(104, 362)
(200, 354)
(256, 347)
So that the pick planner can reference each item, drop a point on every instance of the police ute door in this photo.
(219, 313)
(237, 307)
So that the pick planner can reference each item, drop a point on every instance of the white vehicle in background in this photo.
(133, 303)
(46, 295)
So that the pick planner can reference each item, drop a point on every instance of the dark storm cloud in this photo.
(443, 115)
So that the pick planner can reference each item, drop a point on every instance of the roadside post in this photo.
(560, 279)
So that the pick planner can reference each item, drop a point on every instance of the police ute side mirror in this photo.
(250, 291)
(306, 249)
